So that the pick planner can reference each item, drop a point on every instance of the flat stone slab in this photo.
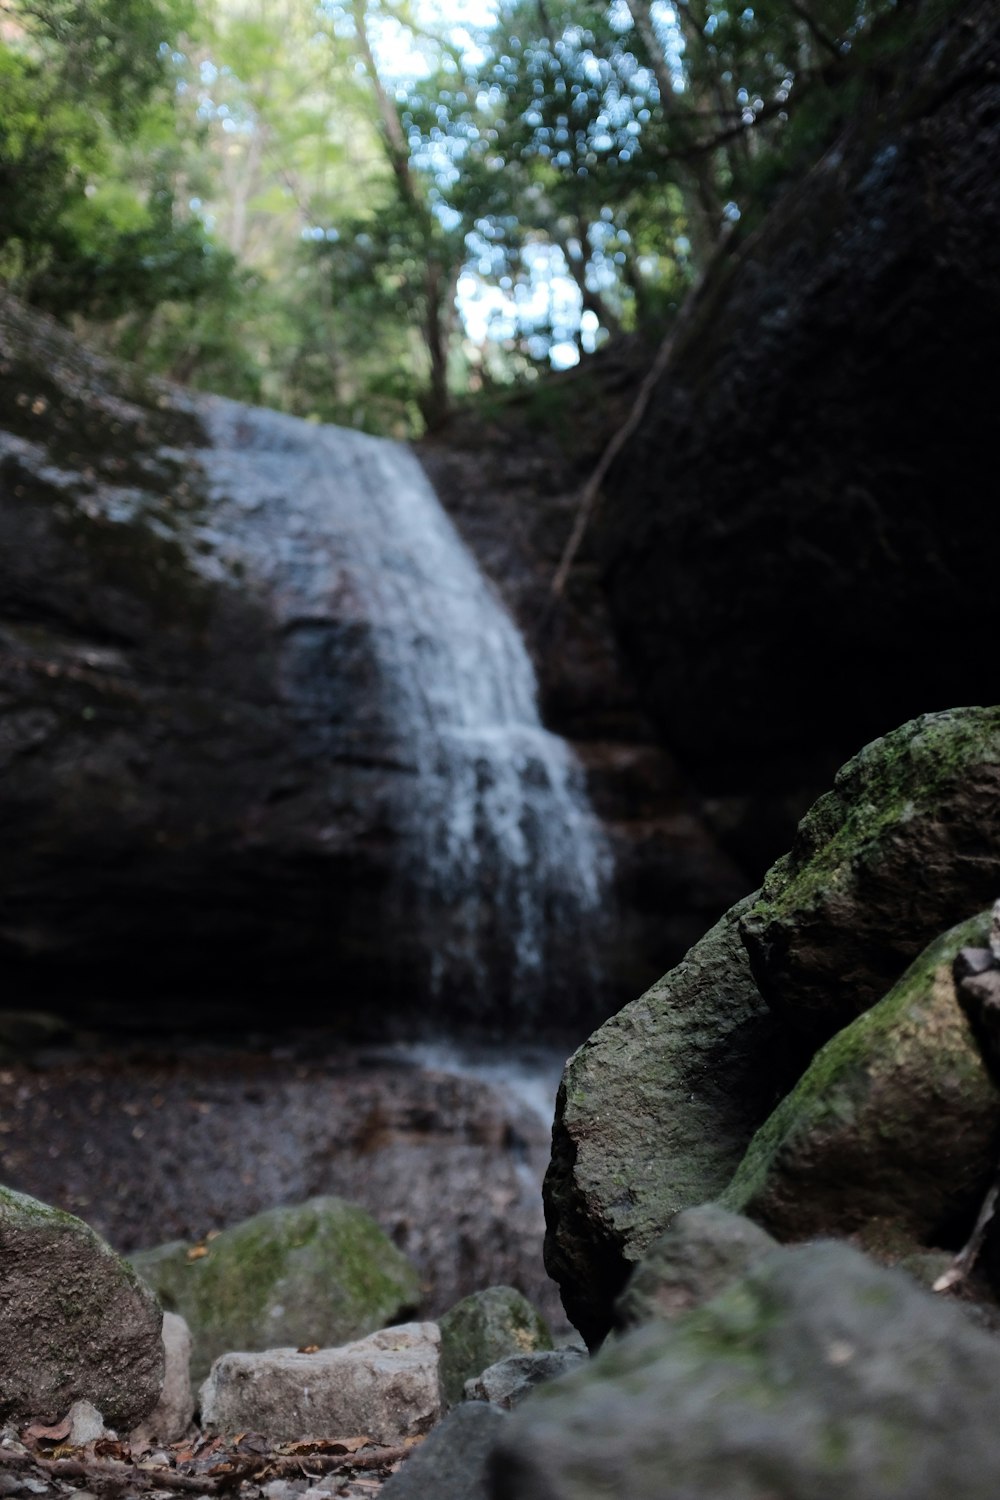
(385, 1386)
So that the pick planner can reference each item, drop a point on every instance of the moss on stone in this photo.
(877, 790)
(894, 1124)
(901, 849)
(484, 1328)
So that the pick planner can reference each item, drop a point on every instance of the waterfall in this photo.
(499, 856)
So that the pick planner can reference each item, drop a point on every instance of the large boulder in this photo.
(321, 1272)
(894, 1129)
(903, 847)
(76, 1323)
(654, 1114)
(818, 1376)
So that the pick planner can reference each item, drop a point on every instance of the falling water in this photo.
(499, 851)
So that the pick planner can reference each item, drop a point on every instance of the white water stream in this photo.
(498, 846)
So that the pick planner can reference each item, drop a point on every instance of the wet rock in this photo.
(385, 1387)
(912, 813)
(654, 1114)
(76, 1324)
(318, 1273)
(482, 1329)
(174, 1412)
(818, 1374)
(702, 1252)
(452, 1464)
(510, 1380)
(894, 1129)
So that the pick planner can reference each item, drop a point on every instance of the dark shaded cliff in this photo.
(796, 543)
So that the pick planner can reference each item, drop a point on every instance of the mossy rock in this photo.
(76, 1323)
(653, 1115)
(704, 1250)
(902, 848)
(483, 1329)
(817, 1376)
(893, 1132)
(321, 1272)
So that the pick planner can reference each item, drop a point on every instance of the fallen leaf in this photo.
(197, 1252)
(36, 1433)
(306, 1446)
(308, 1349)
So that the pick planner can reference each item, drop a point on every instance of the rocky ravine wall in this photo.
(793, 542)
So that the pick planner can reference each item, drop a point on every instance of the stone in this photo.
(510, 1380)
(76, 1323)
(817, 1375)
(702, 1252)
(893, 1132)
(384, 1387)
(86, 1424)
(482, 1329)
(912, 813)
(321, 1272)
(653, 1115)
(174, 1412)
(453, 1462)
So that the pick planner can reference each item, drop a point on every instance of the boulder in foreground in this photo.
(76, 1323)
(817, 1376)
(654, 1114)
(893, 1132)
(901, 849)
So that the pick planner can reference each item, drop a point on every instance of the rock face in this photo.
(482, 1329)
(320, 1273)
(893, 1130)
(902, 848)
(76, 1324)
(787, 517)
(384, 1387)
(818, 1375)
(654, 1114)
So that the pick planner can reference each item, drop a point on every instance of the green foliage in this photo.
(243, 195)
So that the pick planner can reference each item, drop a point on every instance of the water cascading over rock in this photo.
(498, 858)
